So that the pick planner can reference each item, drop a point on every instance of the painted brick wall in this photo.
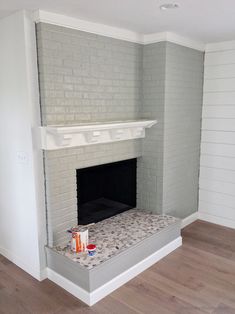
(182, 123)
(83, 77)
(86, 77)
(172, 94)
(150, 166)
(61, 184)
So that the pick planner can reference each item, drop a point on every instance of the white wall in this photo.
(217, 170)
(22, 221)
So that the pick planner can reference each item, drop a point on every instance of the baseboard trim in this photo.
(38, 274)
(188, 220)
(91, 298)
(43, 274)
(69, 286)
(217, 220)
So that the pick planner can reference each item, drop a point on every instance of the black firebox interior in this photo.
(106, 190)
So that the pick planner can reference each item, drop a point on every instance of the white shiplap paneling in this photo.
(220, 174)
(214, 210)
(223, 111)
(217, 186)
(219, 98)
(220, 71)
(218, 137)
(217, 163)
(219, 85)
(218, 149)
(218, 198)
(224, 125)
(219, 57)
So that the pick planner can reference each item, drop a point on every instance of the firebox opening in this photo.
(106, 190)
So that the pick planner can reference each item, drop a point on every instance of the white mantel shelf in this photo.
(57, 137)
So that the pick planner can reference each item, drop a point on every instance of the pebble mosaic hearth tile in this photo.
(113, 235)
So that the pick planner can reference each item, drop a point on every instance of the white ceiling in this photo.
(202, 20)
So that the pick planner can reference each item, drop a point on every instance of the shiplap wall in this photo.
(217, 168)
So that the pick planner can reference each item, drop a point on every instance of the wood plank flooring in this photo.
(197, 278)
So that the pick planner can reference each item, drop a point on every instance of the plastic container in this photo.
(91, 249)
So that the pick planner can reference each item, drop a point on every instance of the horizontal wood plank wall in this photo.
(217, 164)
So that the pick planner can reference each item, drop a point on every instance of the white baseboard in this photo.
(91, 298)
(36, 273)
(69, 286)
(209, 218)
(217, 220)
(188, 220)
(43, 274)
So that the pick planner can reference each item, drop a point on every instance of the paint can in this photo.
(79, 240)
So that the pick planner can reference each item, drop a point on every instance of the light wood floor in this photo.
(199, 277)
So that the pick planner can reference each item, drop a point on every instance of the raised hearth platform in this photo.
(126, 244)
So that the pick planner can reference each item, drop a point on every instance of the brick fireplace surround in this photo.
(78, 86)
(89, 78)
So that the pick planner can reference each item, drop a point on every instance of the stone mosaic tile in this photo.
(113, 235)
